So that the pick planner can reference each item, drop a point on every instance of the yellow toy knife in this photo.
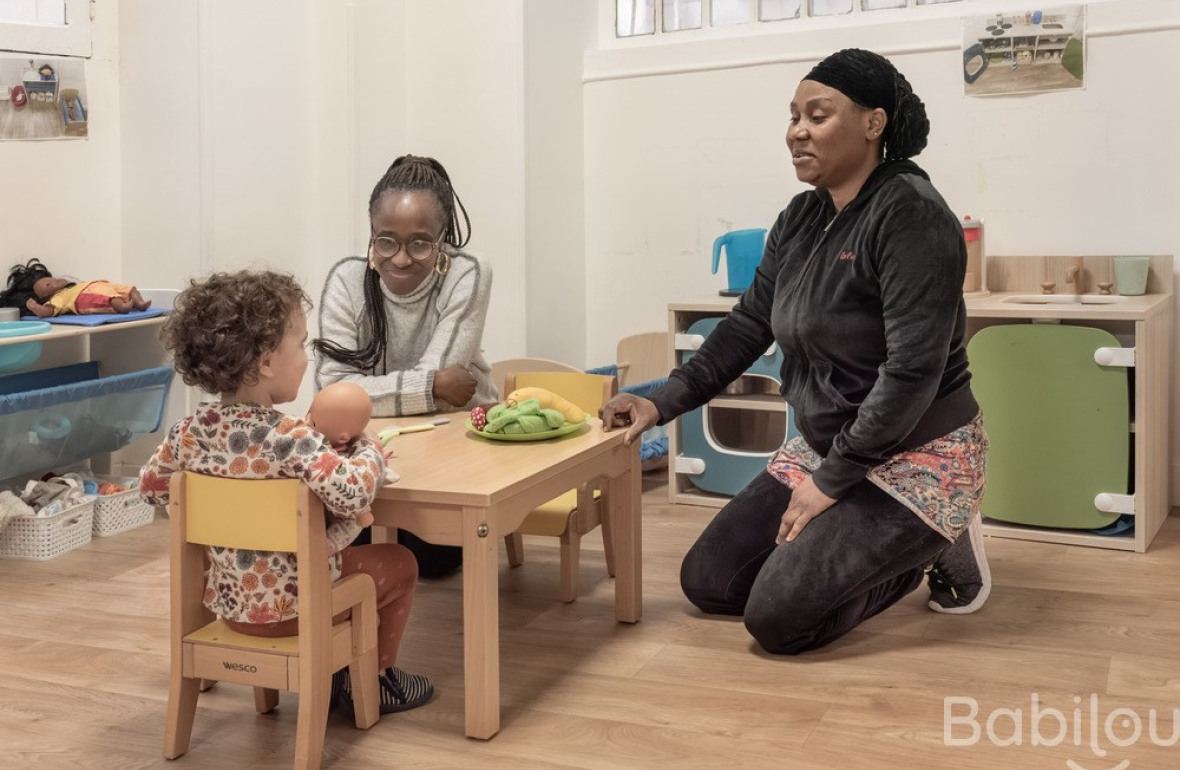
(389, 433)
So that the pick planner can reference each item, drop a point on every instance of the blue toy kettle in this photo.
(743, 249)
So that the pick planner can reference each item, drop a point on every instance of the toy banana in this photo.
(548, 400)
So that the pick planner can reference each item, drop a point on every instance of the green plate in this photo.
(564, 430)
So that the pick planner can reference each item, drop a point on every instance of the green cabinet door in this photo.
(1057, 421)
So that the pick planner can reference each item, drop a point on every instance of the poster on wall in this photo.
(1026, 52)
(42, 98)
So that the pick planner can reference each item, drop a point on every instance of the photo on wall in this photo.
(1025, 52)
(42, 98)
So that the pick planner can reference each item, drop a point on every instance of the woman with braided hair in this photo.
(860, 286)
(405, 321)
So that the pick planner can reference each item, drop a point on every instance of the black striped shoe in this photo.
(399, 691)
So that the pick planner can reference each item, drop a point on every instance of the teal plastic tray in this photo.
(22, 354)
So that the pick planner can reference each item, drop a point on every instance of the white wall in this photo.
(556, 36)
(261, 128)
(59, 200)
(674, 160)
(464, 105)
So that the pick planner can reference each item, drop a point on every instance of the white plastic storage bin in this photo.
(44, 538)
(121, 511)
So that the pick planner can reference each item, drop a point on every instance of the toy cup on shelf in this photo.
(975, 279)
(1130, 274)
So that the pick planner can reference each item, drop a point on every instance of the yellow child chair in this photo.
(578, 511)
(278, 515)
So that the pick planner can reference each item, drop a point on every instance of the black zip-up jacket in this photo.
(867, 307)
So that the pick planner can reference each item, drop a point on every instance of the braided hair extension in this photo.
(871, 81)
(407, 173)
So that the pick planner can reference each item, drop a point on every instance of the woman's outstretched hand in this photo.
(807, 502)
(627, 409)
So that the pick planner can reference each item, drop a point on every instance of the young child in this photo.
(33, 289)
(244, 335)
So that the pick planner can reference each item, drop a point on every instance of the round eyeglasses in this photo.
(387, 247)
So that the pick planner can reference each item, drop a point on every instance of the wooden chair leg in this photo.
(312, 723)
(182, 707)
(366, 700)
(207, 684)
(515, 545)
(571, 546)
(265, 700)
(608, 540)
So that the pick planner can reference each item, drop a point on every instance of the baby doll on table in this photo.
(32, 288)
(341, 411)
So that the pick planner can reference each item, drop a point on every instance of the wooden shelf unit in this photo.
(1144, 321)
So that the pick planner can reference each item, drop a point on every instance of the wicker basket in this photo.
(121, 511)
(43, 538)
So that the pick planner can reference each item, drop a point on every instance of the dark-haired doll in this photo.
(31, 287)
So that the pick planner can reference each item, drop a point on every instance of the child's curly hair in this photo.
(220, 327)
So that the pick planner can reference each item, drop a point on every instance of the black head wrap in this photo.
(871, 81)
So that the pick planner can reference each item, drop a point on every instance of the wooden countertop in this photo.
(995, 305)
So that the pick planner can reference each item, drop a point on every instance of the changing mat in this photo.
(101, 318)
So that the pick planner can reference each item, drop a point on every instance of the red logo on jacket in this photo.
(846, 256)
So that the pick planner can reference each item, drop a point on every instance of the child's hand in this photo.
(386, 451)
(365, 519)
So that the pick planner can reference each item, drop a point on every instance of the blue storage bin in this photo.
(55, 426)
(47, 378)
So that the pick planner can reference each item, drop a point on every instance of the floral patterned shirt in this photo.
(941, 481)
(247, 441)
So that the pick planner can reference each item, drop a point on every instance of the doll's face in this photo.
(45, 288)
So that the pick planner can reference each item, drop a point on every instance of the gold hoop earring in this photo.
(438, 263)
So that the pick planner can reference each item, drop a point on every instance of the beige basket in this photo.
(43, 538)
(122, 511)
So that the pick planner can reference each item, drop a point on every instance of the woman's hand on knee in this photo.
(627, 409)
(807, 502)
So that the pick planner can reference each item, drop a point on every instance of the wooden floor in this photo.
(83, 668)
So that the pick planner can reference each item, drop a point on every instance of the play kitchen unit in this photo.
(1073, 379)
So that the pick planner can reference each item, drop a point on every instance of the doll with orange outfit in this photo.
(244, 336)
(33, 289)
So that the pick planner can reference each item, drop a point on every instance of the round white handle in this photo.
(1103, 501)
(1104, 357)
